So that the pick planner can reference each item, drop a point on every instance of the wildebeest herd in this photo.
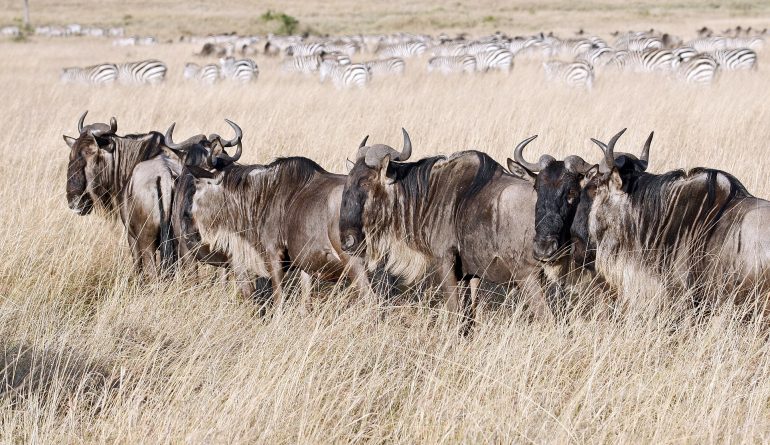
(542, 228)
(575, 61)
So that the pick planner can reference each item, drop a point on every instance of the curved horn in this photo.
(169, 140)
(645, 156)
(238, 135)
(363, 143)
(81, 120)
(609, 151)
(406, 152)
(518, 155)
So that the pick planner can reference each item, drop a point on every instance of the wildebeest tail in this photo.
(166, 242)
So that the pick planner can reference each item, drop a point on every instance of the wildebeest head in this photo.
(206, 152)
(557, 184)
(365, 191)
(87, 153)
(614, 173)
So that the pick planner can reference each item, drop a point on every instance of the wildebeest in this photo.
(268, 218)
(558, 186)
(132, 174)
(675, 230)
(462, 218)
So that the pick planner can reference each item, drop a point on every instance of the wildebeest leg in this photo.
(307, 289)
(470, 302)
(357, 275)
(534, 298)
(136, 254)
(276, 279)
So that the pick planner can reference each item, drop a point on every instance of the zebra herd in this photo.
(571, 224)
(575, 61)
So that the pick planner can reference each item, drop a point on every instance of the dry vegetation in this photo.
(89, 355)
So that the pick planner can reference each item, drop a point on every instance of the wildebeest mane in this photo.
(295, 170)
(414, 177)
(487, 170)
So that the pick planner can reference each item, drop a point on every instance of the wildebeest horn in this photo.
(184, 145)
(102, 129)
(609, 152)
(406, 152)
(576, 164)
(238, 135)
(363, 143)
(645, 156)
(80, 122)
(518, 156)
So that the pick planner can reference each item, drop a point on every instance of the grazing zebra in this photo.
(450, 49)
(452, 64)
(576, 47)
(393, 65)
(305, 49)
(345, 76)
(241, 70)
(574, 74)
(598, 56)
(736, 59)
(701, 69)
(708, 44)
(301, 64)
(149, 71)
(498, 59)
(206, 74)
(647, 61)
(405, 50)
(102, 74)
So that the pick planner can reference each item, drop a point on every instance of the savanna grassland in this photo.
(89, 354)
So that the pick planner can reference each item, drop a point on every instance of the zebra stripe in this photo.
(574, 74)
(207, 74)
(394, 65)
(598, 56)
(647, 61)
(305, 49)
(102, 74)
(241, 70)
(736, 59)
(301, 64)
(150, 72)
(345, 76)
(701, 69)
(452, 64)
(708, 44)
(476, 48)
(405, 50)
(499, 59)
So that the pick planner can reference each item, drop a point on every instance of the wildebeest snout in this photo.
(544, 249)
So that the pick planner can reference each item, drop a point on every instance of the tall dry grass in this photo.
(92, 356)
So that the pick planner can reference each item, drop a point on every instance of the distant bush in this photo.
(286, 23)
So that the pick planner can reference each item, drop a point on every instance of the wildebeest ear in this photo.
(520, 171)
(69, 141)
(200, 173)
(384, 163)
(592, 172)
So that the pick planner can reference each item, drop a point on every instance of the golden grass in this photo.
(188, 361)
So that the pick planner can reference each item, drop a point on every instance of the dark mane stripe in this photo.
(487, 170)
(414, 177)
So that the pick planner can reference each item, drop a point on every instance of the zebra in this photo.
(305, 49)
(647, 61)
(708, 44)
(736, 59)
(701, 69)
(207, 74)
(574, 74)
(755, 43)
(405, 50)
(102, 74)
(338, 57)
(683, 54)
(393, 65)
(347, 48)
(149, 71)
(301, 64)
(241, 70)
(476, 48)
(452, 64)
(598, 56)
(345, 76)
(498, 59)
(639, 41)
(575, 47)
(450, 49)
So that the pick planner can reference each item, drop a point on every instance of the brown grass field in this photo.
(105, 359)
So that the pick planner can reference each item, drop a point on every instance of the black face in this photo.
(360, 185)
(84, 153)
(583, 247)
(558, 190)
